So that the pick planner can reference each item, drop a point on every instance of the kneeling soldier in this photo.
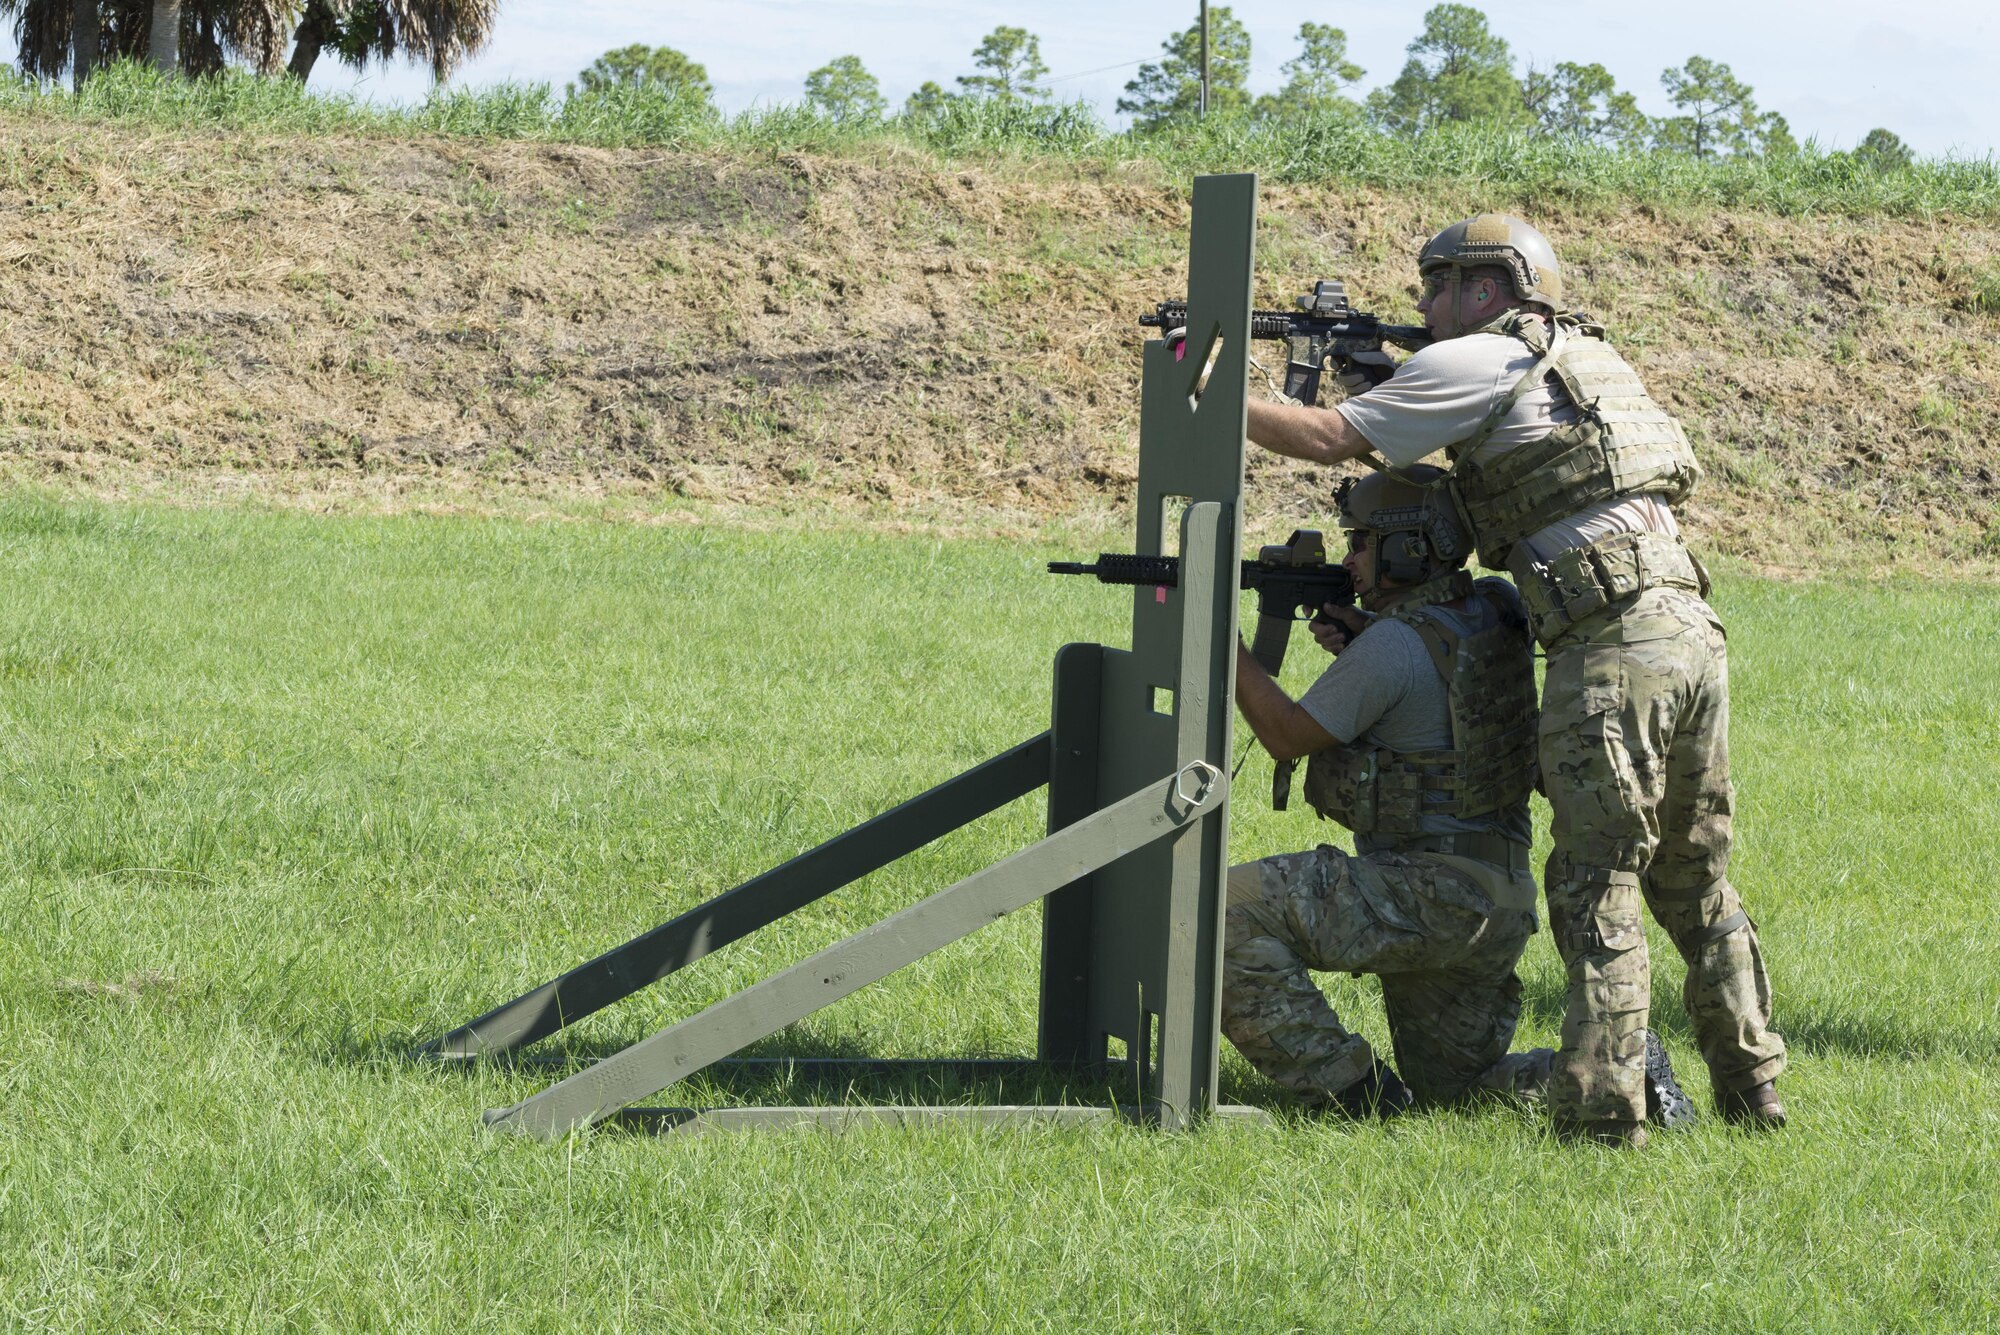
(1420, 738)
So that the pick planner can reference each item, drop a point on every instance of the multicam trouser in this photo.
(1443, 932)
(1635, 762)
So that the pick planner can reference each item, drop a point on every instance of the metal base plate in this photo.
(694, 1121)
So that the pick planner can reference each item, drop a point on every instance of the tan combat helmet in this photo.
(1420, 534)
(1502, 240)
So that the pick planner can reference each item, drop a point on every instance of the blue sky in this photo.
(1835, 68)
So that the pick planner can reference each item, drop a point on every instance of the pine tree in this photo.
(1884, 151)
(1316, 79)
(1583, 102)
(641, 66)
(1171, 90)
(1011, 59)
(1458, 70)
(927, 103)
(1718, 114)
(844, 90)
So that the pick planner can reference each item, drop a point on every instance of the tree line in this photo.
(1458, 71)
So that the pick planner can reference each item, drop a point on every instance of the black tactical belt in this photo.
(1497, 849)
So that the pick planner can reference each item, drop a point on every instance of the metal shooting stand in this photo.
(1131, 873)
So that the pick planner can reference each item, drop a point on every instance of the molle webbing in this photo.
(1446, 588)
(1490, 766)
(1622, 443)
(1493, 716)
(1577, 584)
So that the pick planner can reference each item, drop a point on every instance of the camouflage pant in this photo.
(1443, 932)
(1635, 761)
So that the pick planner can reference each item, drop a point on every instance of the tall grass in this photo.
(1502, 164)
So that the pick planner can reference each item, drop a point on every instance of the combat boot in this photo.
(1756, 1106)
(1667, 1105)
(1602, 1131)
(1381, 1093)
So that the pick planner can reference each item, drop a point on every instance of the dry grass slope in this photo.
(882, 337)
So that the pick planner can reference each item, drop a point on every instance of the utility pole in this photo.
(1202, 108)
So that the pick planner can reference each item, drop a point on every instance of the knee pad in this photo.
(1690, 942)
(1250, 908)
(1687, 917)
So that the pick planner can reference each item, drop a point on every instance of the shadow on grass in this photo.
(801, 1068)
(1805, 1028)
(812, 1070)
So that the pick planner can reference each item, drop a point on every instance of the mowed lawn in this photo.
(283, 795)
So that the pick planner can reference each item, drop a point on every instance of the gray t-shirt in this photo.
(1443, 392)
(1384, 691)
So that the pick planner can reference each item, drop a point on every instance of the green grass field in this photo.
(285, 794)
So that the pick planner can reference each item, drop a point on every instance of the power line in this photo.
(1060, 78)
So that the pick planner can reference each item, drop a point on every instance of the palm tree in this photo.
(210, 31)
(440, 32)
(163, 45)
(83, 44)
(319, 25)
(202, 34)
(42, 31)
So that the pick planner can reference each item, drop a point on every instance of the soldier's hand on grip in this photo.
(1363, 371)
(1335, 627)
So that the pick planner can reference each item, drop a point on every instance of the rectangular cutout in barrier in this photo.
(1173, 509)
(1206, 367)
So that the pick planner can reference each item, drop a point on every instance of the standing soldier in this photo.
(1564, 469)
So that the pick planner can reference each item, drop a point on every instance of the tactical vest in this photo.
(1490, 679)
(1621, 444)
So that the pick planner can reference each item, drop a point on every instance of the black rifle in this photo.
(1324, 328)
(1288, 578)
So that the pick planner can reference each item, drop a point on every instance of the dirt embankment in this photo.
(888, 337)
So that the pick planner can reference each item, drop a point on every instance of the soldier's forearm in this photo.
(1317, 435)
(1278, 722)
